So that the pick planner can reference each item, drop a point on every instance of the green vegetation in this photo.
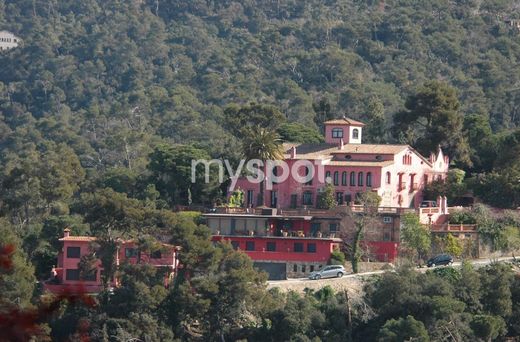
(105, 104)
(326, 199)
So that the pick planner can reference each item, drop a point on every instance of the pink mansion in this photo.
(398, 173)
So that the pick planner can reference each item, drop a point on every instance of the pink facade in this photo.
(397, 173)
(66, 275)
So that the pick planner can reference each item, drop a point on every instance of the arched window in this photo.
(344, 178)
(360, 179)
(337, 132)
(388, 178)
(369, 178)
(336, 178)
(355, 133)
(327, 176)
(352, 178)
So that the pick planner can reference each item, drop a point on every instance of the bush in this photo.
(337, 257)
(462, 217)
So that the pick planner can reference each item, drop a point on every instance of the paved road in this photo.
(350, 279)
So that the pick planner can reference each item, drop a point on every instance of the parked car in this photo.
(428, 204)
(329, 272)
(441, 259)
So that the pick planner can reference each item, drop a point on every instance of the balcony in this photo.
(456, 228)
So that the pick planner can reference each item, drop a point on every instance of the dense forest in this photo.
(105, 103)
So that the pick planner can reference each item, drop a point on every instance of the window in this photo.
(250, 245)
(360, 179)
(352, 178)
(235, 244)
(130, 253)
(333, 227)
(73, 252)
(72, 274)
(92, 276)
(156, 255)
(386, 237)
(311, 268)
(298, 247)
(327, 177)
(388, 177)
(339, 198)
(387, 219)
(336, 178)
(355, 133)
(311, 247)
(303, 268)
(344, 178)
(250, 198)
(425, 179)
(337, 132)
(271, 246)
(274, 199)
(294, 200)
(274, 175)
(307, 172)
(369, 178)
(307, 198)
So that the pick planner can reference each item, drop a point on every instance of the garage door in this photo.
(275, 270)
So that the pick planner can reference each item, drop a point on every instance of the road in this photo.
(354, 282)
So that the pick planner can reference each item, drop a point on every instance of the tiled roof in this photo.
(320, 151)
(360, 163)
(369, 149)
(344, 121)
(78, 238)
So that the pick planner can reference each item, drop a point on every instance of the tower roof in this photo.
(344, 121)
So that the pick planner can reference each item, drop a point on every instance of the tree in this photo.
(488, 327)
(262, 145)
(431, 119)
(323, 112)
(171, 172)
(375, 130)
(415, 236)
(453, 245)
(403, 329)
(326, 199)
(496, 280)
(111, 216)
(355, 223)
(16, 273)
(236, 200)
(224, 301)
(241, 120)
(298, 133)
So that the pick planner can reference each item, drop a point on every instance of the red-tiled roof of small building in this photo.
(78, 238)
(344, 121)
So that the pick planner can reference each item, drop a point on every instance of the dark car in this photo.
(442, 259)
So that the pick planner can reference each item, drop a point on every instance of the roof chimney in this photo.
(66, 232)
(341, 144)
(293, 152)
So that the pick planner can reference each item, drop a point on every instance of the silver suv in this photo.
(329, 272)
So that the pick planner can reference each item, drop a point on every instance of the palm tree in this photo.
(264, 145)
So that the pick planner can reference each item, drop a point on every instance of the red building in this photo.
(66, 276)
(284, 245)
(295, 242)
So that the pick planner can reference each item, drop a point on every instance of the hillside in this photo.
(107, 82)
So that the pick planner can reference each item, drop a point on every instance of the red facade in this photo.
(283, 249)
(66, 275)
